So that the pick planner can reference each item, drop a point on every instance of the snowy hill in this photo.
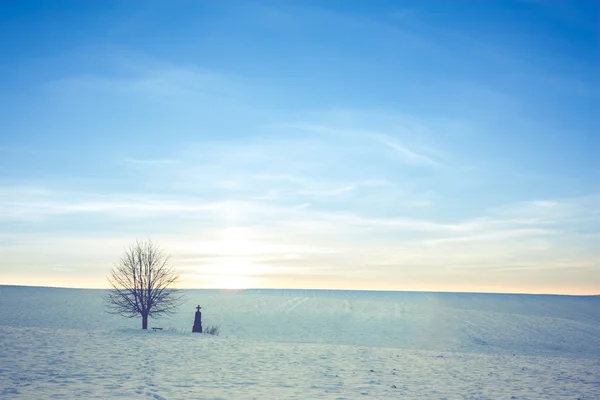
(303, 344)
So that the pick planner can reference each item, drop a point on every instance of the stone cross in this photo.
(197, 320)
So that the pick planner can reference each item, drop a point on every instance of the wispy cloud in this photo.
(152, 163)
(407, 154)
(410, 156)
(159, 81)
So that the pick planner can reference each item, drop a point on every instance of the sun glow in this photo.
(236, 269)
(231, 273)
(238, 242)
(233, 281)
(226, 276)
(234, 264)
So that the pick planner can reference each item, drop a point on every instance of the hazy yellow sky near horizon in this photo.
(591, 290)
(214, 280)
(304, 250)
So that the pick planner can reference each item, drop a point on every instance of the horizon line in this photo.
(321, 289)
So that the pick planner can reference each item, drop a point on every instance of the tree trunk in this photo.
(144, 321)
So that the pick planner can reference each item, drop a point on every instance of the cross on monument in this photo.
(198, 308)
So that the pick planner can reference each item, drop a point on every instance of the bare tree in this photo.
(142, 283)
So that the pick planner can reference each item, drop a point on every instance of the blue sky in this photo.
(418, 145)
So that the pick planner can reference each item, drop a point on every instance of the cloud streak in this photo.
(409, 156)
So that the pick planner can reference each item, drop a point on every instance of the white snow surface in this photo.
(295, 344)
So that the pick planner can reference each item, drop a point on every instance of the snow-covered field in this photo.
(280, 344)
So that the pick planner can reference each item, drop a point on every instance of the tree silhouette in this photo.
(142, 283)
